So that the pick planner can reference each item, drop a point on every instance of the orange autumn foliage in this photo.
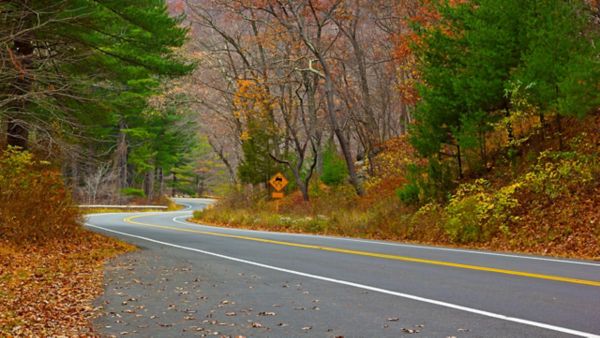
(34, 203)
(48, 289)
(390, 167)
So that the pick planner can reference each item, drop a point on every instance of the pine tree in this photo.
(70, 57)
(561, 64)
(471, 60)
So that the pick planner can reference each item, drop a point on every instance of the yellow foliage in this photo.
(476, 211)
(254, 106)
(34, 202)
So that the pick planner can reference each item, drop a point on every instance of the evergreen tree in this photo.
(257, 166)
(561, 63)
(70, 57)
(471, 59)
(260, 138)
(334, 168)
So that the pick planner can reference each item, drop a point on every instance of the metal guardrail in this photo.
(105, 206)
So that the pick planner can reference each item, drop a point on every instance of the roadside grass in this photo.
(172, 206)
(384, 220)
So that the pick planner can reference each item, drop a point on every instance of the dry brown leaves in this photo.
(568, 227)
(47, 290)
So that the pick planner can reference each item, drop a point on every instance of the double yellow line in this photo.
(374, 254)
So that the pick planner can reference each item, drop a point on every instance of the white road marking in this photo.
(433, 248)
(367, 287)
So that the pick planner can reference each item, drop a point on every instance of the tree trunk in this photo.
(543, 124)
(161, 182)
(459, 160)
(173, 189)
(339, 133)
(220, 153)
(17, 134)
(74, 173)
(403, 118)
(121, 157)
(149, 184)
(300, 182)
(200, 186)
(509, 127)
(559, 133)
(304, 190)
(372, 126)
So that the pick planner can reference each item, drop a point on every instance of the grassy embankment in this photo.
(51, 269)
(545, 200)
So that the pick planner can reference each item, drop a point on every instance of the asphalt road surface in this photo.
(190, 280)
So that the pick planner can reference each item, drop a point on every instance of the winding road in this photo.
(304, 285)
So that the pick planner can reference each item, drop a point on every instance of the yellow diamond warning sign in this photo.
(278, 182)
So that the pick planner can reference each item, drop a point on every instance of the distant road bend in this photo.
(489, 294)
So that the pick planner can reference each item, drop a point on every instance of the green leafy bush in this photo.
(426, 222)
(464, 220)
(133, 192)
(427, 183)
(409, 193)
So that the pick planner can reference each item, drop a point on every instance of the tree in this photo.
(65, 58)
(260, 136)
(471, 59)
(334, 170)
(560, 64)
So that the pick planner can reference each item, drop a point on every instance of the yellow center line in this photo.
(374, 254)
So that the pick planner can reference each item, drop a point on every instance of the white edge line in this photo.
(367, 287)
(433, 248)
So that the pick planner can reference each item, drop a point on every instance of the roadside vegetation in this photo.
(501, 150)
(51, 269)
(546, 202)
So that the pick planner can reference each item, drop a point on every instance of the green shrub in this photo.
(133, 192)
(409, 193)
(334, 167)
(199, 214)
(464, 223)
(314, 225)
(427, 183)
